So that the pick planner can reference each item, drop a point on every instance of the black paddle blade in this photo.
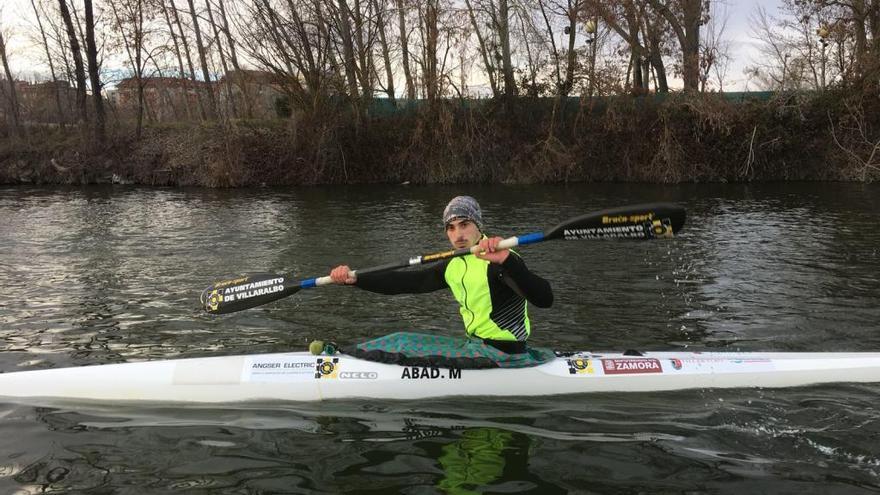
(228, 296)
(647, 221)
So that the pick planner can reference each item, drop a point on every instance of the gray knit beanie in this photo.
(463, 207)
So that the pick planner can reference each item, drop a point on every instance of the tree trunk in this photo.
(38, 15)
(504, 35)
(874, 25)
(638, 51)
(94, 75)
(404, 52)
(640, 78)
(484, 50)
(363, 48)
(79, 69)
(275, 30)
(687, 30)
(432, 35)
(386, 54)
(651, 36)
(552, 37)
(571, 55)
(691, 43)
(206, 73)
(192, 71)
(533, 69)
(659, 69)
(244, 87)
(59, 35)
(348, 50)
(133, 46)
(229, 95)
(14, 111)
(185, 81)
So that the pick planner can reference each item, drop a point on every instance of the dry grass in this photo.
(826, 136)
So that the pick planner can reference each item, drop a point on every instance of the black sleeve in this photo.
(426, 278)
(535, 289)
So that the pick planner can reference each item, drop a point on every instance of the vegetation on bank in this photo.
(227, 93)
(700, 137)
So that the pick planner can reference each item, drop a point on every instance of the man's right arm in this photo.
(406, 281)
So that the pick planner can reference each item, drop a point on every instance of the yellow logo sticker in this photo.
(214, 300)
(580, 366)
(327, 368)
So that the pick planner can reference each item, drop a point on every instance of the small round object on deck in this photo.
(316, 347)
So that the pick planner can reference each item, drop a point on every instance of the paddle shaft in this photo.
(508, 243)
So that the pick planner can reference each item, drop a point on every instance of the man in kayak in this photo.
(493, 288)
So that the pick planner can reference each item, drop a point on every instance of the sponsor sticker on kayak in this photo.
(631, 366)
(580, 366)
(275, 368)
(327, 368)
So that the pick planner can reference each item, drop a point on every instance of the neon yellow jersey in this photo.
(490, 308)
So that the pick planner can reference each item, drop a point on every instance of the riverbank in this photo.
(699, 138)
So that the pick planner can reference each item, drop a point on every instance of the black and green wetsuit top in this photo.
(493, 297)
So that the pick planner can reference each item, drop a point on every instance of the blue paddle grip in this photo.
(530, 238)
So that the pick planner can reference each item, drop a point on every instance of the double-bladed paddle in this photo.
(647, 221)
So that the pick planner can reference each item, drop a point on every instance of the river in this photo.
(112, 274)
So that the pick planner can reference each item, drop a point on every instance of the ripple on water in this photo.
(98, 275)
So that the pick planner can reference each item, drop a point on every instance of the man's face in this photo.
(462, 233)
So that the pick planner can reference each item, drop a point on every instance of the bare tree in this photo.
(654, 30)
(626, 19)
(715, 50)
(772, 68)
(129, 17)
(241, 80)
(487, 51)
(227, 79)
(57, 37)
(14, 110)
(79, 68)
(685, 18)
(431, 36)
(94, 70)
(551, 35)
(200, 47)
(200, 96)
(568, 13)
(503, 27)
(854, 25)
(381, 16)
(364, 36)
(404, 51)
(343, 20)
(177, 53)
(295, 42)
(795, 48)
(532, 47)
(573, 12)
(49, 60)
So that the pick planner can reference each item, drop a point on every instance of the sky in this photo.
(743, 48)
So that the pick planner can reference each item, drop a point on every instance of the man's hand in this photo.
(342, 275)
(490, 252)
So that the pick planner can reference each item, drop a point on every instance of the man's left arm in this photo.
(535, 289)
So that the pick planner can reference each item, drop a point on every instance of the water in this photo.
(112, 274)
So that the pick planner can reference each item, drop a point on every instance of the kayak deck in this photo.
(300, 376)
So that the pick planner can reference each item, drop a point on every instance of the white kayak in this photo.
(300, 376)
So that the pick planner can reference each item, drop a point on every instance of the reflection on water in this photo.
(112, 274)
(698, 440)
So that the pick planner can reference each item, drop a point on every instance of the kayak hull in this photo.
(300, 376)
